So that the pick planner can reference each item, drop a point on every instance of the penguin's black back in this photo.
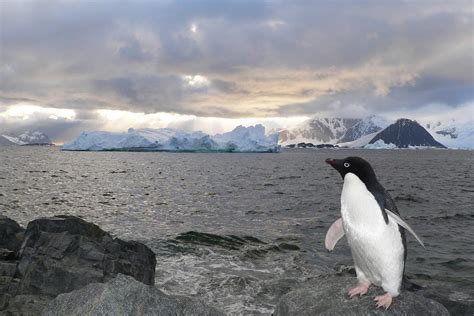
(385, 201)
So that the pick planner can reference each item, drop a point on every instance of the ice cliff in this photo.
(241, 139)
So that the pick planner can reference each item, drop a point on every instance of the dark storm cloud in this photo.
(142, 92)
(133, 51)
(10, 101)
(434, 90)
(260, 57)
(225, 86)
(124, 87)
(410, 97)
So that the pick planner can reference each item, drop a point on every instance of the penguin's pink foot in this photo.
(384, 300)
(361, 289)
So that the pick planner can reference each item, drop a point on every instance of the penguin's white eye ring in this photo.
(346, 164)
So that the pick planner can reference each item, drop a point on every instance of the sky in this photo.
(68, 66)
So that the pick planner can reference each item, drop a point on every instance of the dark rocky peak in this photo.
(405, 133)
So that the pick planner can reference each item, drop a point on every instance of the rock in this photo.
(7, 268)
(27, 304)
(11, 236)
(61, 254)
(64, 253)
(327, 295)
(124, 296)
(7, 254)
(456, 301)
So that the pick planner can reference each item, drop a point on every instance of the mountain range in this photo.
(331, 130)
(26, 138)
(344, 132)
(357, 133)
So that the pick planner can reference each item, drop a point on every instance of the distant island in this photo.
(28, 138)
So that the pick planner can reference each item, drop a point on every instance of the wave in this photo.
(232, 242)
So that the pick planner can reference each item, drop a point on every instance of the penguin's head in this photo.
(356, 165)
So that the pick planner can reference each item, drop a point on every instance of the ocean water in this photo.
(240, 230)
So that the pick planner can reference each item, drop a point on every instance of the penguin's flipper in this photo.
(335, 232)
(402, 223)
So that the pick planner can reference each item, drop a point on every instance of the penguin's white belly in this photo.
(376, 246)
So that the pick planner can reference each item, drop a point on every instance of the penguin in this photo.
(375, 232)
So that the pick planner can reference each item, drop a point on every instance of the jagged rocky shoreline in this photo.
(64, 265)
(65, 254)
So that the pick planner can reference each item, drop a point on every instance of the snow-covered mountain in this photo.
(5, 142)
(331, 130)
(241, 139)
(452, 133)
(27, 138)
(404, 133)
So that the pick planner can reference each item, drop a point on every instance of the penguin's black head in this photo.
(355, 165)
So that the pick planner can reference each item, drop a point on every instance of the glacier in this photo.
(380, 144)
(240, 139)
(452, 133)
(359, 142)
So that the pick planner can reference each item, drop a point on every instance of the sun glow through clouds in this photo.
(119, 121)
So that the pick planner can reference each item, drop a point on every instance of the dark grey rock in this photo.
(61, 254)
(11, 236)
(124, 296)
(7, 268)
(27, 305)
(65, 253)
(327, 295)
(456, 301)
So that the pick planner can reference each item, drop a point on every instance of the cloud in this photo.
(196, 81)
(236, 59)
(59, 124)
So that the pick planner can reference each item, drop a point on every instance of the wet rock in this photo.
(65, 253)
(288, 246)
(11, 236)
(6, 254)
(60, 254)
(27, 304)
(457, 301)
(124, 296)
(327, 295)
(7, 268)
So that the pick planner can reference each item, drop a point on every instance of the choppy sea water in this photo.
(240, 230)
